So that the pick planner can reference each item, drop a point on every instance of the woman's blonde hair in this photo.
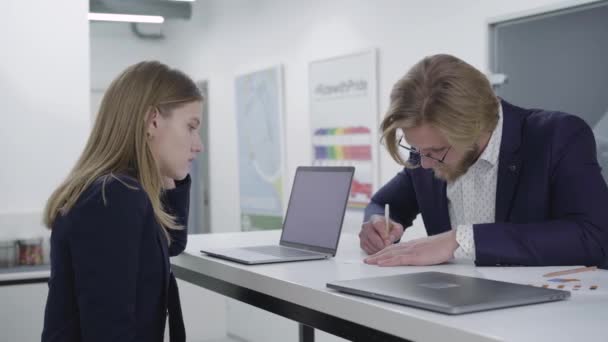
(446, 92)
(118, 142)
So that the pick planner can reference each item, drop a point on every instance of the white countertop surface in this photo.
(24, 273)
(582, 317)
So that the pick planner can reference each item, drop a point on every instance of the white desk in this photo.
(21, 275)
(297, 291)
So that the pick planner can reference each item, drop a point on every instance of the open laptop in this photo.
(447, 293)
(313, 222)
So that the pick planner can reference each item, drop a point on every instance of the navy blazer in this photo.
(110, 273)
(551, 199)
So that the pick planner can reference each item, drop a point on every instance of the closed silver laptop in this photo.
(447, 293)
(313, 222)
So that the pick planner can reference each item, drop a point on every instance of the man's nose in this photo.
(427, 163)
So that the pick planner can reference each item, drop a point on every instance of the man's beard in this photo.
(451, 173)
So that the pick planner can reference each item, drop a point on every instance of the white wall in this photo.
(44, 78)
(44, 82)
(114, 47)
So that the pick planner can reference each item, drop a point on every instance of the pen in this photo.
(387, 219)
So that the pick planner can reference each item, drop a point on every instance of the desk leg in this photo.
(307, 333)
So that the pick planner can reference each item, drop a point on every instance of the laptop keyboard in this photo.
(279, 251)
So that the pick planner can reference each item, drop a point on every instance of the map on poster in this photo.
(344, 114)
(259, 117)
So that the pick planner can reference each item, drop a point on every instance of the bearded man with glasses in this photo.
(495, 183)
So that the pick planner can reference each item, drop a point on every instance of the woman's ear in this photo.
(152, 117)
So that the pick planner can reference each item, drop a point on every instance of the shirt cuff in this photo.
(466, 242)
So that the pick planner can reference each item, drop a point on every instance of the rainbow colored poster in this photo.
(344, 119)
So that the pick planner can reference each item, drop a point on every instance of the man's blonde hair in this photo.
(118, 142)
(446, 92)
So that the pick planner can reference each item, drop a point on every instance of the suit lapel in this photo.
(435, 191)
(510, 161)
(508, 176)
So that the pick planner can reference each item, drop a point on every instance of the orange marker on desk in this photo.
(575, 270)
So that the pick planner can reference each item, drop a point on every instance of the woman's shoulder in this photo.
(113, 191)
(113, 201)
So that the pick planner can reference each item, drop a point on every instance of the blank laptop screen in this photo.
(316, 207)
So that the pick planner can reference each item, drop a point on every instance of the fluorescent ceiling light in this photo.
(130, 18)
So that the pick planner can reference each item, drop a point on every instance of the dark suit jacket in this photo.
(110, 273)
(551, 199)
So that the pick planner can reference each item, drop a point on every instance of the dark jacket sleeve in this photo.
(104, 244)
(177, 202)
(400, 195)
(577, 233)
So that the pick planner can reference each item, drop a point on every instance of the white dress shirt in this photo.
(472, 196)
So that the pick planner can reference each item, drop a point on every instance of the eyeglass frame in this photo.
(414, 151)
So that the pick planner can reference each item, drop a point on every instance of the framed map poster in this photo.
(259, 117)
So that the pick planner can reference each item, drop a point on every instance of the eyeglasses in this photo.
(418, 156)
